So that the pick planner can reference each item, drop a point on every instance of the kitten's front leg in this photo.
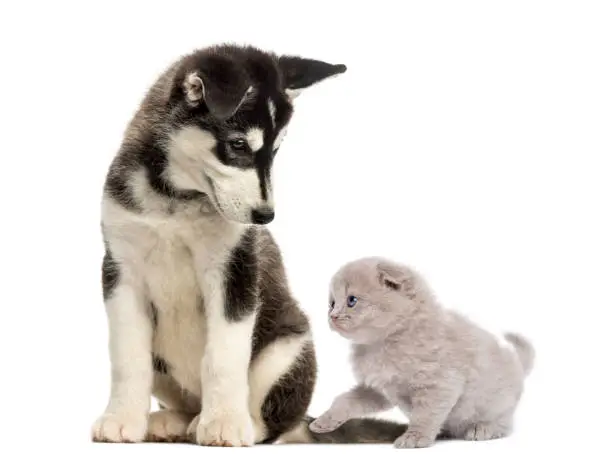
(224, 419)
(359, 401)
(427, 410)
(130, 340)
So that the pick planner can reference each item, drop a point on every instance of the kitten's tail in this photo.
(524, 349)
(355, 431)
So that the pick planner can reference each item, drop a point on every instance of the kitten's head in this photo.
(371, 297)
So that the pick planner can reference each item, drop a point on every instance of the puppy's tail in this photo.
(355, 431)
(524, 349)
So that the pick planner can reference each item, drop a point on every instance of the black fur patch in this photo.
(288, 400)
(241, 278)
(160, 365)
(279, 315)
(110, 274)
(301, 73)
(117, 180)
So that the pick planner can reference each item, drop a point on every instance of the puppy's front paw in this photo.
(413, 439)
(229, 429)
(120, 427)
(325, 423)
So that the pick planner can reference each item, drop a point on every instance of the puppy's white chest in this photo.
(168, 255)
(170, 276)
(178, 304)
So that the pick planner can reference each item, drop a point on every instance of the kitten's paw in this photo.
(412, 439)
(120, 427)
(229, 429)
(168, 426)
(325, 423)
(485, 431)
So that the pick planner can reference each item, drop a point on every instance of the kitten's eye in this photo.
(351, 301)
(238, 144)
(332, 304)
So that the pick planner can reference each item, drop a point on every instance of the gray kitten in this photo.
(449, 376)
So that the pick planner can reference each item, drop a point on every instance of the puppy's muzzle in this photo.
(262, 215)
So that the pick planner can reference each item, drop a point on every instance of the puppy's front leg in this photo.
(225, 419)
(130, 339)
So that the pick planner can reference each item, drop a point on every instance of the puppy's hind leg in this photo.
(169, 426)
(178, 408)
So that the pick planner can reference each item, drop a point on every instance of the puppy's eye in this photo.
(238, 144)
(351, 301)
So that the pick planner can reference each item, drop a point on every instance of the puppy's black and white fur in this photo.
(199, 310)
(200, 314)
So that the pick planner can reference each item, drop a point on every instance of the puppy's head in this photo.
(229, 110)
(371, 297)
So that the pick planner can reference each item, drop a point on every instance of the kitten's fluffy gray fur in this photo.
(449, 376)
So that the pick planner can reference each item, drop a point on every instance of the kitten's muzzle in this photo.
(337, 321)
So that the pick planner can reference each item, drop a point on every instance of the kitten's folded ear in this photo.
(300, 73)
(219, 85)
(392, 277)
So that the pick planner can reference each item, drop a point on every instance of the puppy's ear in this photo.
(220, 86)
(392, 278)
(300, 73)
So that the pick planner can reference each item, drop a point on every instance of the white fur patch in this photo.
(194, 88)
(238, 194)
(225, 365)
(272, 109)
(279, 138)
(130, 333)
(293, 93)
(224, 371)
(255, 138)
(226, 362)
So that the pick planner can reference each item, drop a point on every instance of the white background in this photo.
(469, 139)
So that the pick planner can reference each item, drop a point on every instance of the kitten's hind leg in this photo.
(427, 410)
(497, 429)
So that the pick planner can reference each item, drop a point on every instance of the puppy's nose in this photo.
(262, 215)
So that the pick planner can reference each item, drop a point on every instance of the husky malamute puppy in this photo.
(200, 314)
